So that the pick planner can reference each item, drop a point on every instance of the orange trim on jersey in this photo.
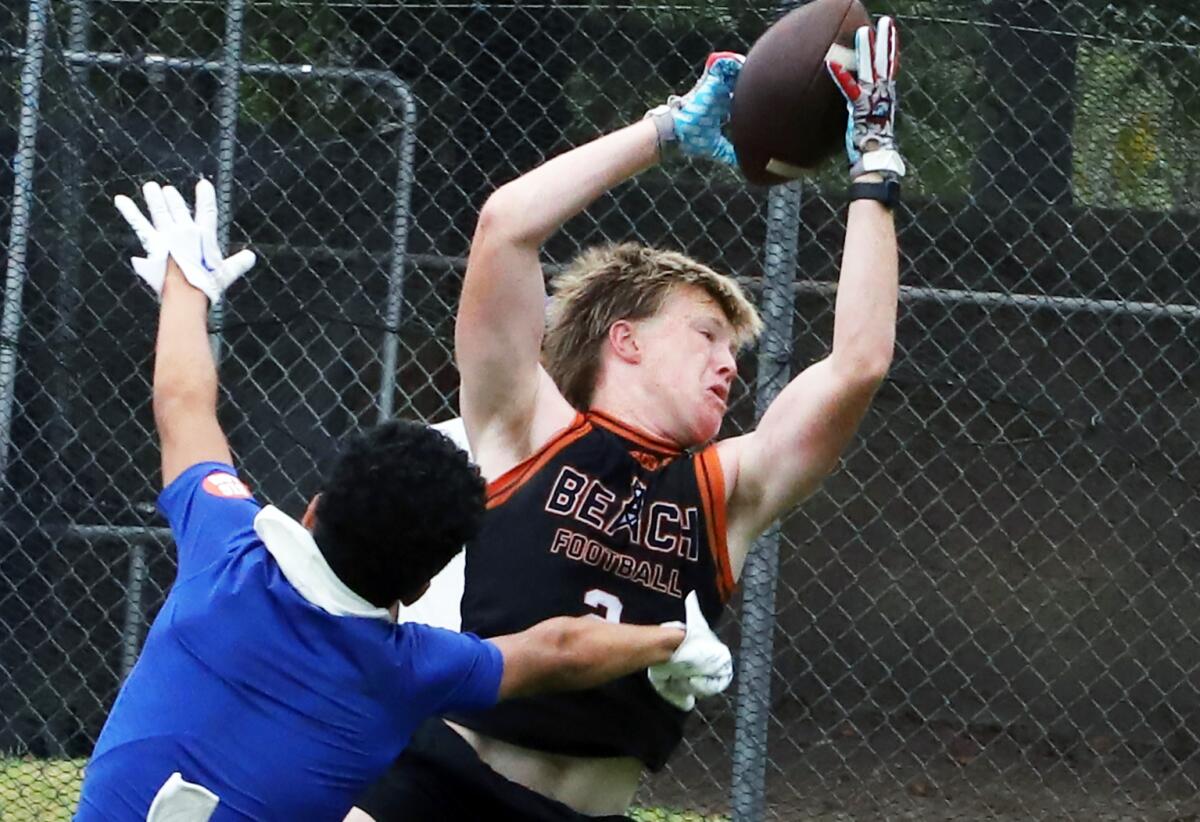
(627, 431)
(504, 486)
(710, 479)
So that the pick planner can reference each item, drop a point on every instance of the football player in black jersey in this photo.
(606, 493)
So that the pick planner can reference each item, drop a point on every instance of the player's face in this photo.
(689, 361)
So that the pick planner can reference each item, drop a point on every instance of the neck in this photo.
(627, 401)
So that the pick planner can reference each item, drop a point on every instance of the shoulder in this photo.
(207, 501)
(213, 479)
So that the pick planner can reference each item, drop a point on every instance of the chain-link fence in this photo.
(989, 610)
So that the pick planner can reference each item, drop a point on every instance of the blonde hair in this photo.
(624, 282)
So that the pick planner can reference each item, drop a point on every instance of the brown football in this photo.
(787, 115)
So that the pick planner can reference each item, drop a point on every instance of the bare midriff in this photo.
(592, 785)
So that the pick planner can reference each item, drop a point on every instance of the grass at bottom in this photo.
(667, 815)
(39, 790)
(43, 790)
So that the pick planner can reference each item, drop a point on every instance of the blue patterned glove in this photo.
(695, 120)
(871, 101)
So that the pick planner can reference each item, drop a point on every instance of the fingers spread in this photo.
(885, 49)
(176, 205)
(237, 265)
(206, 207)
(862, 48)
(156, 204)
(141, 226)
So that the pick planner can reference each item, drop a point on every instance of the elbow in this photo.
(184, 391)
(866, 368)
(169, 406)
(501, 219)
(874, 369)
(492, 217)
(175, 402)
(496, 216)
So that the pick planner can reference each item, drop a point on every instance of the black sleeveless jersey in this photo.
(601, 520)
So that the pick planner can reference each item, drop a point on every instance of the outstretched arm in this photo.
(573, 653)
(508, 403)
(803, 433)
(184, 267)
(686, 660)
(185, 380)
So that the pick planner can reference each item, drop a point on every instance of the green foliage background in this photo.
(1137, 96)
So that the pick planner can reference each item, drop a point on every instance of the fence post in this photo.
(22, 203)
(64, 196)
(400, 223)
(227, 118)
(777, 305)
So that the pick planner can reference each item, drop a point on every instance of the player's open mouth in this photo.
(720, 393)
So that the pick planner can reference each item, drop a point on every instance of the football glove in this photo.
(192, 242)
(695, 121)
(871, 101)
(701, 665)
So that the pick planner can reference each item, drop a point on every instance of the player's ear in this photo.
(309, 520)
(623, 339)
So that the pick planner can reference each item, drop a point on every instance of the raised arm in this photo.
(192, 276)
(803, 433)
(185, 380)
(508, 402)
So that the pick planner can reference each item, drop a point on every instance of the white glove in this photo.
(191, 242)
(701, 665)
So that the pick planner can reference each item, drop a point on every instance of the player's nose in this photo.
(727, 365)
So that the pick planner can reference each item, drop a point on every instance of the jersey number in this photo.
(607, 606)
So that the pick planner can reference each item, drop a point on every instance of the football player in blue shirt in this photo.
(275, 683)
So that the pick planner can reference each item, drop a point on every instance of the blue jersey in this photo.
(283, 709)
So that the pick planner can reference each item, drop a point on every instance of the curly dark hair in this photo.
(398, 503)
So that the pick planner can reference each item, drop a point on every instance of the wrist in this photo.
(885, 190)
(176, 282)
(883, 161)
(673, 636)
(663, 119)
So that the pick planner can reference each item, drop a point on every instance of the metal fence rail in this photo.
(988, 612)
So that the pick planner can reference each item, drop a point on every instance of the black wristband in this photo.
(886, 192)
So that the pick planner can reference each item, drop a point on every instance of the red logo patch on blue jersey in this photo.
(221, 484)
